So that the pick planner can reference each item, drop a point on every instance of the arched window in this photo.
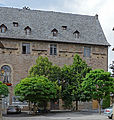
(3, 28)
(55, 32)
(27, 30)
(6, 74)
(76, 34)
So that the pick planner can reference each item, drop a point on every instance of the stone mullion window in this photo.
(53, 49)
(26, 48)
(87, 51)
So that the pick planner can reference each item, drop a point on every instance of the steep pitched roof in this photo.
(43, 22)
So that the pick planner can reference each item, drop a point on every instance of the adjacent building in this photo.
(26, 34)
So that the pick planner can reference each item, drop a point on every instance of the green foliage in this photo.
(3, 89)
(106, 101)
(36, 89)
(44, 67)
(72, 76)
(98, 84)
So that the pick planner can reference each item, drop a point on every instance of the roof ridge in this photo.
(49, 11)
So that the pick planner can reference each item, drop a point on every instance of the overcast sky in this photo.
(104, 8)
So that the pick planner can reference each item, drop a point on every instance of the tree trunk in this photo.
(45, 105)
(76, 105)
(34, 109)
(99, 107)
(30, 109)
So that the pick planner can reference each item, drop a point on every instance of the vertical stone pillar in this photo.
(0, 108)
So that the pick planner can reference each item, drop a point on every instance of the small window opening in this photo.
(26, 48)
(76, 34)
(3, 28)
(55, 32)
(64, 27)
(15, 24)
(27, 30)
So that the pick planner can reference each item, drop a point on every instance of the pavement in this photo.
(81, 115)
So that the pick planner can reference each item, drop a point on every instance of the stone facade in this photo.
(26, 34)
(20, 64)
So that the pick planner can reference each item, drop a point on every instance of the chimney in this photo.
(96, 16)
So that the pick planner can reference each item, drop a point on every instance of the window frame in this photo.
(76, 34)
(27, 30)
(87, 51)
(55, 32)
(53, 49)
(3, 28)
(27, 45)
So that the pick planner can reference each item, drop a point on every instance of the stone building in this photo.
(26, 34)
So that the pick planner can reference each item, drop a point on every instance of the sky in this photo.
(104, 9)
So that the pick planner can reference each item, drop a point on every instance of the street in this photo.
(58, 116)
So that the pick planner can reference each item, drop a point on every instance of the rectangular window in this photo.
(26, 48)
(53, 49)
(87, 52)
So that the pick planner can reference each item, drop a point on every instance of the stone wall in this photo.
(20, 63)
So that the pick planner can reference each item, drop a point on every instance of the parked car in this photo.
(108, 112)
(13, 109)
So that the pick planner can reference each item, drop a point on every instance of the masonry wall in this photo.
(20, 63)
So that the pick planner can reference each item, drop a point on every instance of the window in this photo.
(55, 32)
(15, 24)
(64, 27)
(87, 51)
(6, 74)
(76, 34)
(3, 28)
(53, 49)
(27, 30)
(26, 48)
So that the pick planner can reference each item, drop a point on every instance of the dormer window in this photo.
(76, 34)
(15, 24)
(55, 32)
(64, 27)
(3, 28)
(27, 30)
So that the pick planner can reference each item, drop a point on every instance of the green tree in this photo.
(98, 84)
(44, 67)
(72, 78)
(36, 90)
(3, 89)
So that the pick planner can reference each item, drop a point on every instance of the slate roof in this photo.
(43, 22)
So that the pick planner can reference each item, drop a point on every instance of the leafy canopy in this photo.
(72, 78)
(36, 89)
(3, 89)
(97, 84)
(44, 67)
